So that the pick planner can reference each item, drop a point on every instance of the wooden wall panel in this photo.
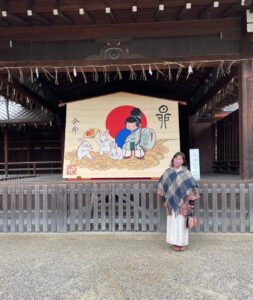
(227, 157)
(201, 137)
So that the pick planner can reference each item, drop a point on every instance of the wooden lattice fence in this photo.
(118, 206)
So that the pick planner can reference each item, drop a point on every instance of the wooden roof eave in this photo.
(27, 92)
(136, 30)
(15, 122)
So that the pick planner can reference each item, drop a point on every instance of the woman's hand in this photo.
(160, 191)
(191, 204)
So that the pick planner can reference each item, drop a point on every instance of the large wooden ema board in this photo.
(120, 135)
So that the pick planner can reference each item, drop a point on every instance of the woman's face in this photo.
(131, 126)
(178, 161)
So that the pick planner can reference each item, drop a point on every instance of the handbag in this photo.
(191, 220)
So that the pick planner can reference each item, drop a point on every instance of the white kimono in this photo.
(177, 233)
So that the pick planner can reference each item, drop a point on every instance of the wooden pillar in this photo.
(6, 150)
(62, 144)
(245, 119)
(28, 153)
(191, 133)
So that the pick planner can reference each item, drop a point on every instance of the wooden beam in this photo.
(123, 63)
(4, 24)
(231, 10)
(23, 89)
(43, 6)
(3, 3)
(28, 143)
(181, 14)
(183, 11)
(237, 7)
(65, 18)
(245, 119)
(246, 46)
(213, 91)
(111, 16)
(155, 29)
(134, 14)
(207, 12)
(31, 94)
(52, 87)
(135, 17)
(31, 4)
(152, 87)
(62, 142)
(6, 150)
(17, 19)
(88, 17)
(41, 19)
(159, 13)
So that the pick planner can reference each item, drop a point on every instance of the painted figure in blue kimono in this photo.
(133, 139)
(129, 137)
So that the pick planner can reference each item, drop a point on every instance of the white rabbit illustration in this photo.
(104, 143)
(116, 152)
(83, 149)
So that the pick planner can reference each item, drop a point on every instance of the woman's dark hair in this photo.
(135, 117)
(179, 154)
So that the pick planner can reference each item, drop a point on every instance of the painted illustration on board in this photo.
(106, 138)
(126, 139)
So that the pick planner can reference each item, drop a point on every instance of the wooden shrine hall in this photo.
(196, 53)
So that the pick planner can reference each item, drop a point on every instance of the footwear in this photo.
(175, 248)
(181, 248)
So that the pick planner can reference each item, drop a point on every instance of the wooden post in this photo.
(62, 144)
(245, 119)
(6, 150)
(28, 155)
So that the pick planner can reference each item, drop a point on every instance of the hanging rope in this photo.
(106, 75)
(56, 77)
(159, 72)
(132, 75)
(95, 75)
(163, 69)
(219, 68)
(84, 76)
(169, 75)
(143, 74)
(31, 75)
(21, 76)
(118, 74)
(68, 75)
(9, 75)
(48, 75)
(179, 73)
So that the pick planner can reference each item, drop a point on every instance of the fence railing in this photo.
(34, 167)
(16, 176)
(118, 206)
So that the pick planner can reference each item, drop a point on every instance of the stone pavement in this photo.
(125, 266)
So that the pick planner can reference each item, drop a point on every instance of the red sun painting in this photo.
(115, 120)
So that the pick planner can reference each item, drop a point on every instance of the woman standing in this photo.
(179, 190)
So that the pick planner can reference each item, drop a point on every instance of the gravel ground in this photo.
(125, 266)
